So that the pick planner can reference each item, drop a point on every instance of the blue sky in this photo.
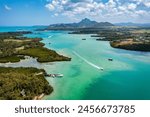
(44, 12)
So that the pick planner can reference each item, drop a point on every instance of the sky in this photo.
(45, 12)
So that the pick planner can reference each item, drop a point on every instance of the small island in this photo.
(24, 83)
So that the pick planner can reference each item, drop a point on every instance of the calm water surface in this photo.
(126, 77)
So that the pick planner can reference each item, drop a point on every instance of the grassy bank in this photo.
(12, 59)
(44, 54)
(12, 46)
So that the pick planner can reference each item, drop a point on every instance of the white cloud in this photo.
(112, 9)
(7, 7)
(141, 12)
(50, 7)
(111, 3)
(64, 2)
(147, 4)
(56, 14)
(132, 6)
(144, 2)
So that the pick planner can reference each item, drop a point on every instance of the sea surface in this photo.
(127, 77)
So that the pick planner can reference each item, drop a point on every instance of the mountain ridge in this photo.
(84, 23)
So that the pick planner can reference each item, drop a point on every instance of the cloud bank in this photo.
(112, 10)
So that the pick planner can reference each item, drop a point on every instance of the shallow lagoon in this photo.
(126, 77)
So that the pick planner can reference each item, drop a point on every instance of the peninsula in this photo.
(13, 48)
(24, 83)
(131, 44)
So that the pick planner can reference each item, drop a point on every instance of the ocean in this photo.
(127, 77)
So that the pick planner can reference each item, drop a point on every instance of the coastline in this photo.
(132, 45)
(74, 72)
(39, 97)
(11, 45)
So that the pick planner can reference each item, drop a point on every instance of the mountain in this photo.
(133, 24)
(85, 23)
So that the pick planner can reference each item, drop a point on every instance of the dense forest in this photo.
(22, 83)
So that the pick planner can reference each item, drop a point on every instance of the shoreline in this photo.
(27, 62)
(39, 97)
(13, 49)
(131, 45)
(25, 82)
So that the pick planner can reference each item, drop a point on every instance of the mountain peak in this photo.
(86, 20)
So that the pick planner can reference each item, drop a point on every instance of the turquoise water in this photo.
(127, 77)
(19, 28)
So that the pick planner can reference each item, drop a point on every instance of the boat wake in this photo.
(50, 36)
(88, 62)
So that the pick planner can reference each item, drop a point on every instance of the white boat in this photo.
(55, 75)
(110, 59)
(59, 75)
(101, 69)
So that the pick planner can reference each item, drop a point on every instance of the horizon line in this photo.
(73, 22)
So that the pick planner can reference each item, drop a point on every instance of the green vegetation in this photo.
(22, 83)
(138, 40)
(12, 59)
(43, 54)
(11, 48)
(111, 35)
(119, 37)
(13, 35)
(136, 45)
